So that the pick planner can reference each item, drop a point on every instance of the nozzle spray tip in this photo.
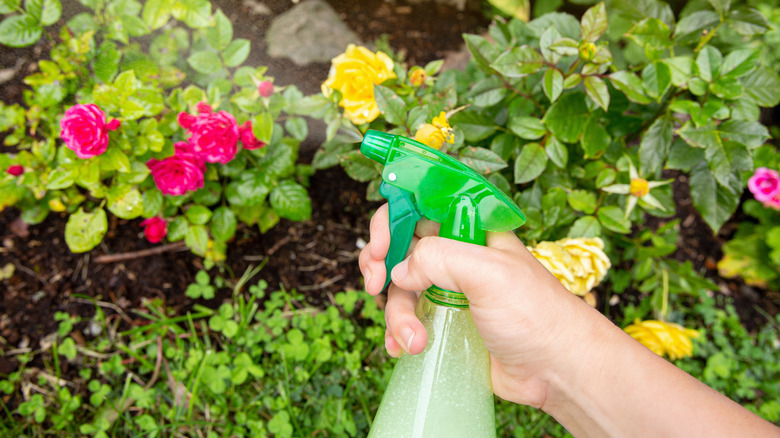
(376, 145)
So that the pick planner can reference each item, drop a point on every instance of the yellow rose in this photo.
(56, 204)
(664, 338)
(354, 74)
(579, 264)
(436, 133)
(418, 76)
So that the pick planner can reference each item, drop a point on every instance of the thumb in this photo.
(453, 265)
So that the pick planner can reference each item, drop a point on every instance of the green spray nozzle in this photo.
(419, 181)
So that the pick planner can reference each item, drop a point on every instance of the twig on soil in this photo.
(111, 306)
(322, 285)
(113, 258)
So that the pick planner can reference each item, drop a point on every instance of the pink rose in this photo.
(213, 135)
(15, 170)
(765, 185)
(180, 173)
(155, 229)
(85, 131)
(248, 137)
(265, 88)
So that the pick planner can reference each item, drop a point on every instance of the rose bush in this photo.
(178, 131)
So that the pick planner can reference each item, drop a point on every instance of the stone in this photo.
(309, 32)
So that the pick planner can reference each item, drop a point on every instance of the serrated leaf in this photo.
(125, 202)
(586, 226)
(529, 128)
(236, 53)
(475, 125)
(614, 219)
(763, 85)
(630, 84)
(156, 14)
(47, 12)
(748, 22)
(567, 117)
(530, 163)
(594, 22)
(263, 126)
(715, 203)
(550, 36)
(197, 239)
(84, 231)
(107, 61)
(740, 62)
(198, 215)
(291, 201)
(709, 61)
(582, 200)
(695, 23)
(486, 92)
(483, 161)
(390, 104)
(595, 139)
(9, 6)
(360, 168)
(519, 62)
(223, 224)
(194, 13)
(553, 84)
(565, 47)
(681, 68)
(221, 33)
(205, 62)
(20, 31)
(597, 90)
(482, 50)
(656, 79)
(557, 152)
(655, 144)
(653, 36)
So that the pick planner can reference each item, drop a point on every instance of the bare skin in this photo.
(548, 348)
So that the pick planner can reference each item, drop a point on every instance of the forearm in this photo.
(616, 387)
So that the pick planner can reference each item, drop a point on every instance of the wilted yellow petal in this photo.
(664, 338)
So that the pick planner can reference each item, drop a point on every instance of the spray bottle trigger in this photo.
(404, 215)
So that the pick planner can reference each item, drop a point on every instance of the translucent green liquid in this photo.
(444, 391)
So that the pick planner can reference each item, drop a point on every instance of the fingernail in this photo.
(409, 336)
(400, 271)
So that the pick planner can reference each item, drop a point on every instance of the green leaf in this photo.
(550, 36)
(653, 35)
(529, 128)
(107, 61)
(197, 239)
(360, 168)
(84, 231)
(195, 13)
(9, 6)
(684, 157)
(152, 201)
(519, 62)
(156, 14)
(20, 31)
(630, 84)
(125, 201)
(553, 84)
(482, 50)
(47, 12)
(740, 62)
(681, 68)
(727, 87)
(198, 215)
(614, 219)
(567, 117)
(474, 124)
(530, 163)
(263, 126)
(748, 22)
(595, 139)
(715, 203)
(291, 201)
(721, 6)
(391, 106)
(596, 89)
(205, 62)
(115, 159)
(695, 23)
(557, 152)
(221, 34)
(236, 53)
(487, 92)
(655, 145)
(606, 177)
(565, 47)
(763, 85)
(709, 61)
(297, 127)
(586, 226)
(594, 22)
(656, 79)
(223, 224)
(483, 161)
(582, 200)
(60, 178)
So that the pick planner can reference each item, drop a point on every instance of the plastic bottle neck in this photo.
(447, 298)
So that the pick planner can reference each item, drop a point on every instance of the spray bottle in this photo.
(444, 391)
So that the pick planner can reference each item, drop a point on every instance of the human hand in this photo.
(532, 326)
